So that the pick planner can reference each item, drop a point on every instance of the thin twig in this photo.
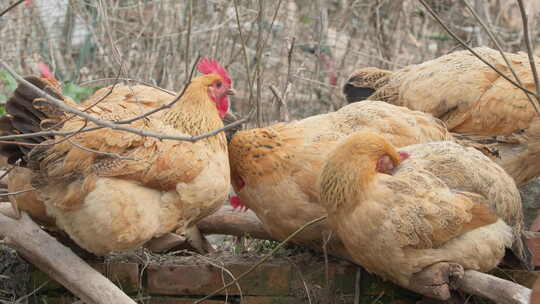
(299, 271)
(109, 92)
(188, 35)
(7, 172)
(530, 53)
(244, 50)
(258, 63)
(113, 155)
(87, 82)
(223, 269)
(17, 192)
(357, 285)
(11, 7)
(449, 31)
(264, 259)
(325, 253)
(170, 104)
(111, 125)
(499, 48)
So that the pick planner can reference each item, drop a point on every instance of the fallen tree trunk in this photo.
(58, 261)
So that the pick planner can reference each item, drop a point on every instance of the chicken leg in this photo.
(191, 238)
(437, 280)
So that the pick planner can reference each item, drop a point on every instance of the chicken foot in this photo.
(191, 238)
(197, 240)
(437, 280)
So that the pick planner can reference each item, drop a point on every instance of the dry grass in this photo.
(155, 41)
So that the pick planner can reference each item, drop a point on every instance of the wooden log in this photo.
(230, 222)
(496, 289)
(58, 261)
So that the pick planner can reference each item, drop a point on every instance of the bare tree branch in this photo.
(529, 47)
(111, 125)
(12, 6)
(499, 48)
(449, 31)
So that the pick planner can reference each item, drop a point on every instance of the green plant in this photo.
(10, 84)
(77, 92)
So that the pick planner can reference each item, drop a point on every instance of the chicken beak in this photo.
(230, 92)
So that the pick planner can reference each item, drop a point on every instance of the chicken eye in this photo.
(218, 84)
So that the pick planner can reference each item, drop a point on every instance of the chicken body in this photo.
(111, 190)
(274, 170)
(438, 202)
(475, 101)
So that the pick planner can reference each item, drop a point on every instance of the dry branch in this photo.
(10, 7)
(462, 43)
(57, 261)
(493, 288)
(107, 124)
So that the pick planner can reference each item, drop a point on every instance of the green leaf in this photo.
(76, 92)
(9, 81)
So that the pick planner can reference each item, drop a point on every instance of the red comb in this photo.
(44, 70)
(237, 204)
(211, 66)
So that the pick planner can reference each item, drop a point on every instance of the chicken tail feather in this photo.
(26, 112)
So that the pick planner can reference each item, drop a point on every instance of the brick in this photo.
(267, 279)
(124, 275)
(177, 300)
(533, 242)
(271, 300)
(56, 300)
(523, 277)
(345, 278)
(39, 278)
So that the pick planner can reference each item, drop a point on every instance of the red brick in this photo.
(271, 300)
(57, 300)
(267, 279)
(535, 296)
(124, 275)
(175, 300)
(533, 242)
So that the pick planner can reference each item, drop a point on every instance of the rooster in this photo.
(486, 110)
(422, 214)
(274, 169)
(111, 190)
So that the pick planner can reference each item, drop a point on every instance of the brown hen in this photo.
(487, 111)
(429, 208)
(274, 169)
(111, 190)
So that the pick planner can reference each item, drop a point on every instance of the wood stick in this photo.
(58, 261)
(493, 288)
(230, 222)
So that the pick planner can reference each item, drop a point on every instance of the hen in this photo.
(476, 102)
(274, 169)
(111, 190)
(407, 214)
